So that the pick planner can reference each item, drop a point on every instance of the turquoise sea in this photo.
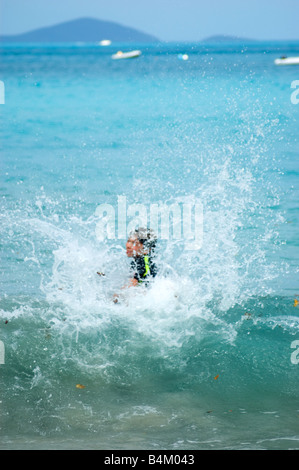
(208, 356)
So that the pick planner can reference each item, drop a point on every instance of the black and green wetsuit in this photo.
(143, 268)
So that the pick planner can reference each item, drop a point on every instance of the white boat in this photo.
(105, 42)
(287, 61)
(126, 55)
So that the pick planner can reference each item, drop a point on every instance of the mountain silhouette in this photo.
(82, 30)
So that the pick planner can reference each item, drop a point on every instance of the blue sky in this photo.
(169, 20)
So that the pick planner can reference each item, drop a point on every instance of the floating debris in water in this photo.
(80, 386)
(247, 315)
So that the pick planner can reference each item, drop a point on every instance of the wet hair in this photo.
(146, 236)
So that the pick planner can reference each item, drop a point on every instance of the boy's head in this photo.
(141, 241)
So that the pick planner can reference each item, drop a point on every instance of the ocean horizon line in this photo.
(203, 42)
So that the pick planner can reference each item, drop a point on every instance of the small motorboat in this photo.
(126, 55)
(105, 42)
(287, 61)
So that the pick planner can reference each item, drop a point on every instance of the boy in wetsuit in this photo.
(140, 246)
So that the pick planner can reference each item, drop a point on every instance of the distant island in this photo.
(225, 38)
(82, 30)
